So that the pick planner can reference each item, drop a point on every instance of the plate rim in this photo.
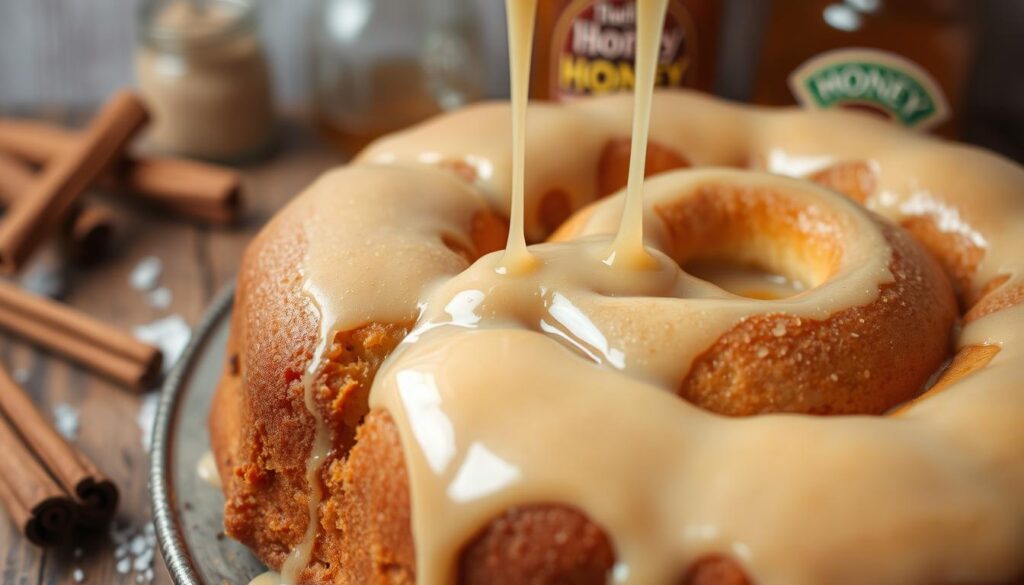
(170, 538)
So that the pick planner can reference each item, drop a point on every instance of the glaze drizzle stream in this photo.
(628, 247)
(521, 15)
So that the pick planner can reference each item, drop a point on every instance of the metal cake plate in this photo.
(188, 512)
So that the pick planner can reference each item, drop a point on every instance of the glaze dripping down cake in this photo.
(848, 410)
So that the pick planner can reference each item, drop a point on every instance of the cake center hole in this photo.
(756, 242)
(746, 279)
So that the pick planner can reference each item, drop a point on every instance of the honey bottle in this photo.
(905, 60)
(586, 47)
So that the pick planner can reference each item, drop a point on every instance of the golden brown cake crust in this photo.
(782, 363)
(263, 481)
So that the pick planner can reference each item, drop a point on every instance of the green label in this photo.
(872, 80)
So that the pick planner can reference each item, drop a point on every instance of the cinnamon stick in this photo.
(91, 230)
(91, 234)
(203, 191)
(90, 342)
(53, 195)
(95, 495)
(174, 181)
(41, 509)
(33, 142)
(15, 179)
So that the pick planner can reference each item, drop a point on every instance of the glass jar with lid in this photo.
(381, 65)
(203, 71)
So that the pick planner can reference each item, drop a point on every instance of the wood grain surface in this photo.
(197, 262)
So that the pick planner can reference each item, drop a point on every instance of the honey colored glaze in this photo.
(521, 15)
(556, 385)
(746, 280)
(916, 176)
(300, 556)
(461, 423)
(268, 578)
(628, 247)
(790, 498)
(369, 268)
(206, 469)
(650, 323)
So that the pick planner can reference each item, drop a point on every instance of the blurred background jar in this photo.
(381, 65)
(586, 47)
(906, 60)
(202, 69)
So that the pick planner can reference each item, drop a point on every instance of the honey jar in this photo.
(586, 47)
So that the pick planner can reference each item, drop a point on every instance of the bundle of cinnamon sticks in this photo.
(40, 203)
(70, 163)
(87, 341)
(47, 486)
(191, 188)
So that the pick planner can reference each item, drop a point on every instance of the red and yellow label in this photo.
(594, 45)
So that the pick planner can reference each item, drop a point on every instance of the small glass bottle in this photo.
(202, 69)
(906, 60)
(381, 65)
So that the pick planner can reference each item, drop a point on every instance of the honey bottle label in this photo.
(872, 80)
(594, 42)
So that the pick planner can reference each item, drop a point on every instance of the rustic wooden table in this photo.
(197, 261)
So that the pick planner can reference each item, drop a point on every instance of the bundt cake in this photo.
(394, 409)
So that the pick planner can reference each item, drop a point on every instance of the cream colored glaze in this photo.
(793, 499)
(650, 323)
(300, 556)
(932, 495)
(206, 469)
(627, 249)
(745, 280)
(917, 175)
(379, 233)
(521, 15)
(356, 286)
(268, 578)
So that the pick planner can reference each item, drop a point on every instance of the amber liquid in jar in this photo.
(400, 98)
(381, 65)
(586, 47)
(905, 60)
